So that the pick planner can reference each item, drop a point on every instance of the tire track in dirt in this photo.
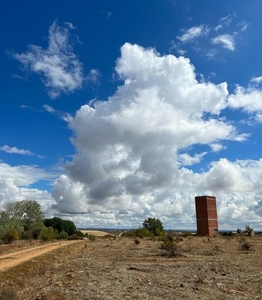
(13, 259)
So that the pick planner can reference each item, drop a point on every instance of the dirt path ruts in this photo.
(13, 259)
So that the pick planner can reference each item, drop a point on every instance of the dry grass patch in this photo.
(96, 233)
(120, 269)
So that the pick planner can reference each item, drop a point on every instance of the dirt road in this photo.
(13, 259)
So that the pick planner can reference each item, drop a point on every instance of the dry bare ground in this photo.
(107, 268)
(12, 259)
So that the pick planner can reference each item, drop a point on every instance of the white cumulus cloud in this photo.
(128, 147)
(59, 67)
(15, 184)
(249, 99)
(188, 160)
(257, 80)
(216, 147)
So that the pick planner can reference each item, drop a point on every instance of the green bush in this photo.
(140, 232)
(49, 234)
(137, 241)
(37, 229)
(170, 248)
(79, 233)
(63, 235)
(143, 232)
(11, 236)
(245, 246)
(154, 225)
(27, 235)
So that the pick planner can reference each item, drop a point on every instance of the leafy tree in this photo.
(69, 227)
(25, 212)
(37, 228)
(55, 222)
(249, 230)
(239, 231)
(154, 225)
(61, 225)
(17, 217)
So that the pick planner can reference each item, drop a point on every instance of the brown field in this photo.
(108, 268)
(96, 232)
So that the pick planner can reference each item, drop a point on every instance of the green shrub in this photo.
(79, 233)
(245, 246)
(11, 236)
(63, 235)
(49, 234)
(143, 232)
(37, 228)
(27, 235)
(154, 225)
(137, 241)
(170, 248)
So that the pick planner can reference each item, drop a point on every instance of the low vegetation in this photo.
(25, 220)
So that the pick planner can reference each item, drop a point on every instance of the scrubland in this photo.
(127, 268)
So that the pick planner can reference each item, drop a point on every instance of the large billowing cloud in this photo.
(132, 149)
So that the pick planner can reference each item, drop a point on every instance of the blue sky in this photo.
(111, 113)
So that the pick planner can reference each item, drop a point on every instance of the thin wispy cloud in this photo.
(225, 22)
(16, 76)
(57, 112)
(58, 66)
(193, 33)
(243, 25)
(94, 76)
(15, 150)
(225, 40)
(49, 108)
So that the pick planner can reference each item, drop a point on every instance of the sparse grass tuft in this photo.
(8, 293)
(245, 246)
(42, 269)
(92, 238)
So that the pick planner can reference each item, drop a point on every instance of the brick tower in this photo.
(206, 215)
